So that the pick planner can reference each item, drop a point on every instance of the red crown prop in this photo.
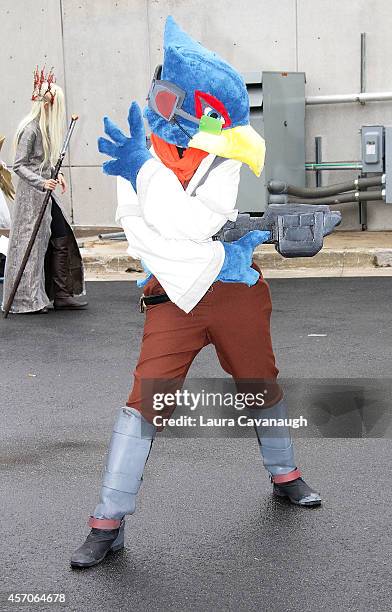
(39, 79)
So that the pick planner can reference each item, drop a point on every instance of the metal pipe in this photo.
(363, 215)
(314, 192)
(318, 157)
(112, 236)
(312, 166)
(363, 62)
(357, 196)
(347, 98)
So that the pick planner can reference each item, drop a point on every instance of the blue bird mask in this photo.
(198, 100)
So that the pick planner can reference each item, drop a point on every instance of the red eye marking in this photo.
(165, 101)
(209, 100)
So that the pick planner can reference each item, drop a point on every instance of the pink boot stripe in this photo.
(103, 523)
(280, 478)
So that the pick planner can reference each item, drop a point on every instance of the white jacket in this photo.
(170, 228)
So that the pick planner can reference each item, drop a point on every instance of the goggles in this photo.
(166, 100)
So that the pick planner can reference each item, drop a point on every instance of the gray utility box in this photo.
(376, 145)
(277, 112)
(388, 164)
(372, 145)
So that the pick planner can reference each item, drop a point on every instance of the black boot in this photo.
(98, 544)
(63, 298)
(297, 492)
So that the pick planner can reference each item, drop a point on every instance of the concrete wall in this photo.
(104, 52)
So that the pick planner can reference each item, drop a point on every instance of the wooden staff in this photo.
(38, 222)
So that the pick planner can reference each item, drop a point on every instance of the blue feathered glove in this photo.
(238, 259)
(129, 153)
(143, 281)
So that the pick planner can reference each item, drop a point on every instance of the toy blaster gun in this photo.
(297, 230)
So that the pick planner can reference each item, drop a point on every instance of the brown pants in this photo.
(233, 317)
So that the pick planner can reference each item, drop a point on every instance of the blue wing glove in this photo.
(129, 153)
(143, 281)
(238, 259)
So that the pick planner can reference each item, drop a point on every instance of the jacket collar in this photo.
(200, 172)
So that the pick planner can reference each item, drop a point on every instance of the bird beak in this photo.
(242, 143)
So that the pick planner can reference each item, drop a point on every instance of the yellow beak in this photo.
(242, 143)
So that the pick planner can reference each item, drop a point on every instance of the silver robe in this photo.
(35, 290)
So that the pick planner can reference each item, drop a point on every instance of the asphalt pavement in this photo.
(207, 534)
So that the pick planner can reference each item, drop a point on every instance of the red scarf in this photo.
(183, 167)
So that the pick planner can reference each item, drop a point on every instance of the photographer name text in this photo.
(240, 421)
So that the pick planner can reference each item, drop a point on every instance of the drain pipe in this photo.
(358, 196)
(314, 192)
(314, 166)
(347, 98)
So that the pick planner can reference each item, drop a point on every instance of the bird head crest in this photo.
(210, 86)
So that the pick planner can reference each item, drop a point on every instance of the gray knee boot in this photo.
(277, 452)
(275, 443)
(130, 446)
(128, 452)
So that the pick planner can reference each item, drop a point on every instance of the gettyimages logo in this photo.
(194, 400)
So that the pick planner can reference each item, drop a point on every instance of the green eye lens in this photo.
(210, 125)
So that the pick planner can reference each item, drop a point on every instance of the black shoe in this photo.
(98, 544)
(298, 492)
(69, 303)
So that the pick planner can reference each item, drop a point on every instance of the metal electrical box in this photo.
(376, 145)
(372, 145)
(277, 112)
(388, 164)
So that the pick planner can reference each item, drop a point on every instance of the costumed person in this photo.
(6, 191)
(173, 199)
(54, 271)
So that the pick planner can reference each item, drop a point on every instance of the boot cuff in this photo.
(108, 524)
(281, 478)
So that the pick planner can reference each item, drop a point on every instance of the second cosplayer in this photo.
(54, 270)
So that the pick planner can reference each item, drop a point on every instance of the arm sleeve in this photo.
(23, 152)
(173, 213)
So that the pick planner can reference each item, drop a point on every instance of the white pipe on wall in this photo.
(356, 97)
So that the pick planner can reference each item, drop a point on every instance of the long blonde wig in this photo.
(51, 123)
